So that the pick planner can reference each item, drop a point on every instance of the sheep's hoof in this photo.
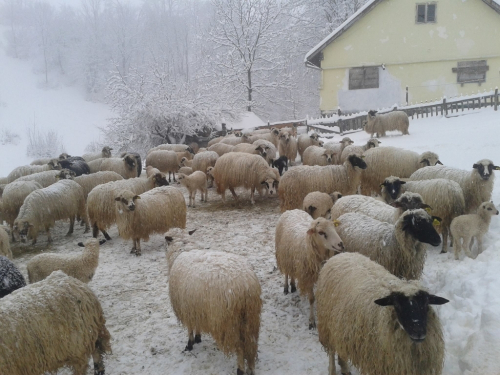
(293, 288)
(197, 339)
(189, 346)
(312, 325)
(444, 251)
(240, 372)
(69, 234)
(132, 251)
(138, 253)
(285, 291)
(98, 370)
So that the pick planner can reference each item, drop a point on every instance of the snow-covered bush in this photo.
(8, 137)
(44, 143)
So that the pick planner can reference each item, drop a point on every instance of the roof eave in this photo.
(494, 5)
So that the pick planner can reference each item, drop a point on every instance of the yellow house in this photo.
(398, 51)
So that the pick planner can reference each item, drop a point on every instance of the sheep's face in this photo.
(106, 152)
(357, 161)
(335, 196)
(190, 150)
(321, 143)
(372, 114)
(429, 159)
(22, 228)
(372, 143)
(489, 208)
(271, 185)
(261, 150)
(410, 201)
(325, 236)
(314, 137)
(275, 131)
(66, 174)
(126, 201)
(238, 134)
(412, 311)
(392, 186)
(419, 225)
(181, 178)
(346, 141)
(485, 168)
(183, 162)
(328, 154)
(160, 180)
(64, 156)
(130, 161)
(285, 137)
(210, 171)
(54, 164)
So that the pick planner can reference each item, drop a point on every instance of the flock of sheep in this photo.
(352, 234)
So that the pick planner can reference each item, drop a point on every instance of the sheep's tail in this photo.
(102, 344)
(249, 329)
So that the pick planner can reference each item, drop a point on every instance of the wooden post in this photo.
(496, 99)
(339, 124)
(445, 107)
(307, 126)
(406, 95)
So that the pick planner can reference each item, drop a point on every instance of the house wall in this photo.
(420, 56)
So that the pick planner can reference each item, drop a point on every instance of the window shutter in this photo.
(471, 71)
(363, 78)
(356, 78)
(421, 13)
(371, 78)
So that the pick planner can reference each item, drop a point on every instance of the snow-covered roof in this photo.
(312, 57)
(247, 120)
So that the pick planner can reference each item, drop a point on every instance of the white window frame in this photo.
(426, 6)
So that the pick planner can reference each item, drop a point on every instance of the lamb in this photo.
(233, 324)
(372, 143)
(288, 146)
(202, 161)
(221, 148)
(272, 137)
(30, 169)
(281, 163)
(444, 196)
(105, 153)
(396, 120)
(80, 266)
(466, 227)
(155, 211)
(51, 324)
(338, 147)
(398, 247)
(391, 161)
(125, 167)
(306, 140)
(10, 277)
(377, 209)
(13, 198)
(269, 148)
(319, 204)
(43, 207)
(185, 162)
(4, 244)
(477, 185)
(48, 178)
(300, 181)
(302, 245)
(184, 154)
(43, 161)
(185, 170)
(196, 181)
(314, 155)
(239, 169)
(165, 161)
(101, 204)
(138, 161)
(354, 321)
(89, 182)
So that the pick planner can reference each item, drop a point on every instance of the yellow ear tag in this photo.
(428, 209)
(436, 222)
(336, 223)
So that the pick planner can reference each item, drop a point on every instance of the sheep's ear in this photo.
(136, 197)
(117, 199)
(191, 231)
(436, 220)
(311, 209)
(439, 162)
(311, 231)
(496, 168)
(435, 300)
(426, 207)
(386, 301)
(263, 182)
(383, 184)
(396, 204)
(169, 239)
(336, 223)
(81, 244)
(402, 182)
(103, 241)
(475, 166)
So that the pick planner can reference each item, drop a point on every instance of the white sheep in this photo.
(319, 204)
(43, 161)
(43, 207)
(185, 162)
(306, 140)
(377, 209)
(287, 146)
(391, 161)
(172, 147)
(477, 185)
(269, 148)
(314, 155)
(55, 323)
(250, 148)
(338, 147)
(185, 170)
(10, 277)
(239, 169)
(196, 181)
(4, 244)
(80, 266)
(203, 161)
(221, 148)
(444, 196)
(299, 181)
(90, 181)
(233, 141)
(302, 245)
(380, 123)
(101, 203)
(155, 211)
(30, 169)
(354, 149)
(165, 161)
(125, 167)
(198, 282)
(465, 227)
(272, 136)
(48, 178)
(398, 247)
(105, 153)
(355, 320)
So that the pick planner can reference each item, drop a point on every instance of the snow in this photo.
(248, 120)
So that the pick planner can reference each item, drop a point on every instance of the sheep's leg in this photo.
(241, 360)
(234, 194)
(169, 178)
(331, 363)
(80, 369)
(174, 176)
(191, 341)
(251, 366)
(458, 247)
(98, 363)
(468, 246)
(106, 235)
(197, 337)
(12, 233)
(285, 290)
(479, 244)
(95, 230)
(444, 247)
(252, 194)
(138, 249)
(193, 198)
(344, 367)
(49, 237)
(71, 225)
(223, 196)
(292, 285)
(312, 321)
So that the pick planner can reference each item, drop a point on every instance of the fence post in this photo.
(406, 95)
(307, 126)
(445, 107)
(339, 124)
(496, 99)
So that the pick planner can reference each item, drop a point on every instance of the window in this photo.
(471, 71)
(426, 13)
(363, 78)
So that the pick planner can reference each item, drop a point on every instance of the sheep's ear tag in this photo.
(362, 156)
(81, 244)
(336, 223)
(428, 209)
(436, 222)
(136, 197)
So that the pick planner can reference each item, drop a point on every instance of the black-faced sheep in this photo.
(319, 204)
(237, 169)
(155, 211)
(51, 324)
(75, 164)
(137, 159)
(314, 155)
(398, 247)
(477, 185)
(302, 245)
(381, 123)
(391, 161)
(306, 140)
(194, 182)
(125, 167)
(302, 180)
(465, 227)
(48, 178)
(234, 324)
(30, 169)
(269, 148)
(356, 320)
(10, 277)
(105, 153)
(353, 149)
